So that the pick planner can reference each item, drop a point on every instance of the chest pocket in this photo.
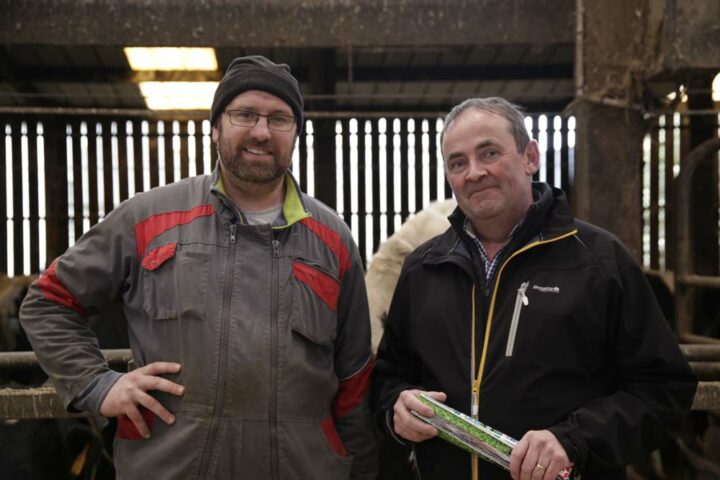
(315, 296)
(174, 281)
(553, 310)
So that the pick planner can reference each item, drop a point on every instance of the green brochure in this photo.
(474, 436)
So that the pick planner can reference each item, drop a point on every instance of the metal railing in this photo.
(686, 281)
(43, 402)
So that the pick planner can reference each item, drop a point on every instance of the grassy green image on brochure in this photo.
(473, 436)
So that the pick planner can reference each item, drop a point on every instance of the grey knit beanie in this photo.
(256, 72)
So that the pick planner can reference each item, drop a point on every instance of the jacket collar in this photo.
(293, 209)
(549, 216)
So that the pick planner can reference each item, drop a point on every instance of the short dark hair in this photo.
(499, 106)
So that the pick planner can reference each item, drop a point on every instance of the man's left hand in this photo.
(538, 456)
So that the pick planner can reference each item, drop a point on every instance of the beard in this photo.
(251, 171)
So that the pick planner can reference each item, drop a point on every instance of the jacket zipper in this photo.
(520, 300)
(222, 367)
(414, 463)
(477, 382)
(233, 232)
(274, 358)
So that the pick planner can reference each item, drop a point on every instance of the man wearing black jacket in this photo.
(536, 323)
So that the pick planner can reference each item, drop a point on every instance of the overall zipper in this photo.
(275, 298)
(520, 300)
(222, 367)
(233, 232)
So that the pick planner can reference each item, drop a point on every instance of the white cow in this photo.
(384, 270)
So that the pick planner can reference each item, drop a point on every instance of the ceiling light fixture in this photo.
(178, 95)
(171, 58)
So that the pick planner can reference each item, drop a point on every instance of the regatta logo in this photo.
(546, 289)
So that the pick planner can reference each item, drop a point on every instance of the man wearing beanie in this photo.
(246, 308)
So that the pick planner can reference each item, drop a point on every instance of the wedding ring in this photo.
(541, 467)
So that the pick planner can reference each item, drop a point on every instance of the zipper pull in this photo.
(475, 403)
(522, 290)
(233, 231)
(276, 248)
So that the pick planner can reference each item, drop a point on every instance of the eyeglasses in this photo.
(247, 118)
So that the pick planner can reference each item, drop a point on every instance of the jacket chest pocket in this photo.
(551, 310)
(313, 319)
(174, 281)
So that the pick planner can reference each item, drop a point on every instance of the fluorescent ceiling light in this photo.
(171, 58)
(178, 95)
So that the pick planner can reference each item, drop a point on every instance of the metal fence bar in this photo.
(701, 353)
(684, 296)
(700, 280)
(707, 396)
(43, 402)
(29, 359)
(706, 370)
(32, 403)
(693, 352)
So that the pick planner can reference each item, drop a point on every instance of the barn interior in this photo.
(624, 96)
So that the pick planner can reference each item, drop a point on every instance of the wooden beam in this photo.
(294, 23)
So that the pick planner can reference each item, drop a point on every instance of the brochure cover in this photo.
(472, 435)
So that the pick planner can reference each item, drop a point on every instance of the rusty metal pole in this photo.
(31, 403)
(11, 360)
(610, 128)
(701, 353)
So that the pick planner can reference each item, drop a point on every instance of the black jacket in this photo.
(593, 360)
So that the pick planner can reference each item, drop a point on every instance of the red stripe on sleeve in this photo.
(155, 225)
(322, 284)
(55, 291)
(328, 428)
(332, 240)
(351, 391)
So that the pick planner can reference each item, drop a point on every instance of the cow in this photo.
(58, 448)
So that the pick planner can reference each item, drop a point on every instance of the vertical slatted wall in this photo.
(60, 175)
(664, 148)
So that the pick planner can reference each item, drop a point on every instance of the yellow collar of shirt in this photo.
(293, 209)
